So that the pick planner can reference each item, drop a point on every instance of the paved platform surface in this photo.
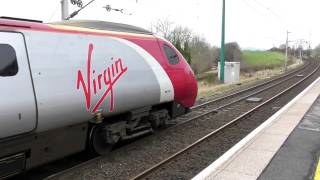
(271, 151)
(298, 157)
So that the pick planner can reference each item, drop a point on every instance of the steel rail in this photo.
(179, 153)
(249, 88)
(232, 102)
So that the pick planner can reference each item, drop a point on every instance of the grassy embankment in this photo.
(264, 58)
(256, 65)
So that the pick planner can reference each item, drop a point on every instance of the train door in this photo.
(17, 99)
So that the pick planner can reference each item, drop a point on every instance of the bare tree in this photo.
(199, 54)
(202, 54)
(233, 52)
(162, 28)
(180, 38)
(166, 29)
(181, 34)
(316, 52)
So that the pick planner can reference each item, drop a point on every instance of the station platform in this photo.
(285, 147)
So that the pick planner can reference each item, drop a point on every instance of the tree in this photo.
(198, 53)
(162, 28)
(232, 52)
(202, 55)
(316, 52)
(181, 34)
(180, 38)
(187, 52)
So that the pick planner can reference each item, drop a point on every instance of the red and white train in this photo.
(76, 84)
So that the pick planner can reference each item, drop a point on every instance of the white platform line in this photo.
(240, 145)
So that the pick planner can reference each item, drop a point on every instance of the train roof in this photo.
(103, 25)
(77, 26)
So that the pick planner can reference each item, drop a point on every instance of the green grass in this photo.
(208, 77)
(263, 58)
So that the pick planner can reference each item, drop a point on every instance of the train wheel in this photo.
(97, 141)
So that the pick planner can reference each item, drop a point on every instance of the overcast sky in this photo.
(252, 23)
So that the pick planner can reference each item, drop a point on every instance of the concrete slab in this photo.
(268, 142)
(298, 109)
(308, 99)
(253, 165)
(253, 99)
(289, 118)
(279, 127)
(231, 176)
(214, 174)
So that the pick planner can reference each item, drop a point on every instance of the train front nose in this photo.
(191, 88)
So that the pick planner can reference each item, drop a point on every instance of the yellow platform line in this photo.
(317, 173)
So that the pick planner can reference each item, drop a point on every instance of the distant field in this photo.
(262, 57)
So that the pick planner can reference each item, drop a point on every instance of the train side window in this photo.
(8, 60)
(172, 56)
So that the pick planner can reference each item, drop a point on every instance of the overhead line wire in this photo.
(268, 9)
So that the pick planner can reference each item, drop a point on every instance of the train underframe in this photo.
(99, 136)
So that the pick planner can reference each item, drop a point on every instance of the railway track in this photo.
(203, 114)
(254, 87)
(220, 130)
(249, 88)
(213, 106)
